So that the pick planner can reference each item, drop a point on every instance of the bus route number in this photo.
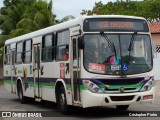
(100, 68)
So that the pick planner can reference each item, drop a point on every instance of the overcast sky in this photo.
(63, 8)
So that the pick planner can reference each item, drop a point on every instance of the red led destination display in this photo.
(115, 24)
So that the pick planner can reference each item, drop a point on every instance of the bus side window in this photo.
(27, 54)
(62, 45)
(7, 55)
(66, 54)
(19, 51)
(47, 48)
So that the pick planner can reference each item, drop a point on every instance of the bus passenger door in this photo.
(36, 70)
(13, 70)
(75, 70)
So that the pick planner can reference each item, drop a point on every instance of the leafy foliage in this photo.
(19, 17)
(149, 9)
(24, 16)
(35, 17)
(66, 18)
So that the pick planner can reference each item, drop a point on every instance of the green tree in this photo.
(35, 17)
(149, 9)
(11, 14)
(12, 17)
(84, 12)
(18, 17)
(66, 18)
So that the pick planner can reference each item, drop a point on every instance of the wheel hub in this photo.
(62, 99)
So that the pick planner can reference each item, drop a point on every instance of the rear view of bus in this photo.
(117, 62)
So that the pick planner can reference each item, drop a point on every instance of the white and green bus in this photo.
(86, 62)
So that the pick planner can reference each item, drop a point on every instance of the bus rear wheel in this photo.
(122, 107)
(61, 101)
(21, 98)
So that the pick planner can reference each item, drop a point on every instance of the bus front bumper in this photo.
(90, 99)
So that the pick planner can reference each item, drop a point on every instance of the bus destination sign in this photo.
(115, 24)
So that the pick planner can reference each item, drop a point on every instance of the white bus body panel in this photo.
(90, 99)
(37, 40)
(13, 45)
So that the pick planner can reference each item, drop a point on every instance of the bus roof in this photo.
(62, 26)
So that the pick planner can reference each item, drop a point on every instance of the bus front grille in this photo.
(118, 90)
(122, 98)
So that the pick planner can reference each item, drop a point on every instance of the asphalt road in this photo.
(9, 102)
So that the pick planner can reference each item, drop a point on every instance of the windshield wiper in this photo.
(110, 44)
(131, 44)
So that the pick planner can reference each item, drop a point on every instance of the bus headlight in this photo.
(147, 86)
(92, 86)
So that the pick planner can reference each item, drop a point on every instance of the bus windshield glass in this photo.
(117, 54)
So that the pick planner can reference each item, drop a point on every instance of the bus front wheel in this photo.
(122, 107)
(61, 101)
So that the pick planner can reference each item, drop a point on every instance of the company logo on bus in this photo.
(122, 89)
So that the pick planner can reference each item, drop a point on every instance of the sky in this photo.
(63, 8)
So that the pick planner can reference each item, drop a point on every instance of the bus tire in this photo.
(122, 107)
(61, 101)
(21, 98)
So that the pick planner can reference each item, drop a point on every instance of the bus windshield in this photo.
(132, 54)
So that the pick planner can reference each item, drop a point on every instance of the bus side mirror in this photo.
(154, 52)
(80, 42)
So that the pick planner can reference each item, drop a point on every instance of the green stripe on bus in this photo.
(118, 86)
(8, 81)
(82, 87)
